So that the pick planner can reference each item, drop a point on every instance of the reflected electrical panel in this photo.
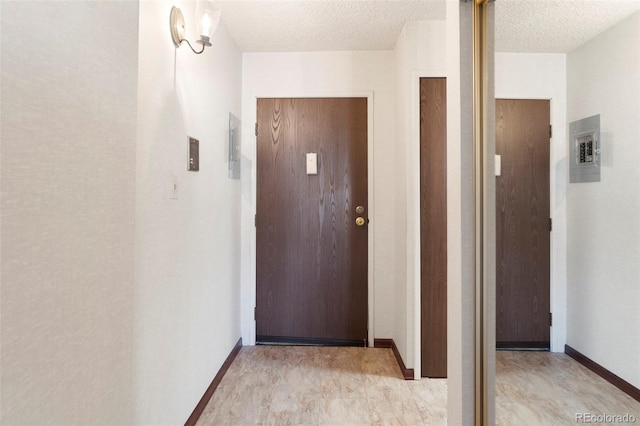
(584, 150)
(234, 147)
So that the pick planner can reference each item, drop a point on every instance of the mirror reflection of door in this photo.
(585, 63)
(522, 224)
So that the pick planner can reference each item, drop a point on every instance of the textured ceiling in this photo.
(315, 25)
(555, 26)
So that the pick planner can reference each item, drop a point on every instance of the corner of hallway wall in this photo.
(460, 217)
(187, 268)
(68, 125)
(419, 51)
(402, 128)
(603, 225)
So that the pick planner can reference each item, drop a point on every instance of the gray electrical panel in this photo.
(584, 150)
(234, 147)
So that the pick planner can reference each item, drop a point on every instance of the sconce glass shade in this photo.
(207, 20)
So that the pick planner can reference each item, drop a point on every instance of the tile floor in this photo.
(304, 385)
(542, 388)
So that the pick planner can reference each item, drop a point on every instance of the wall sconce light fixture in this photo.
(207, 19)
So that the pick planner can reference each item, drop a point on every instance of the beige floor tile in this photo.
(393, 405)
(340, 411)
(431, 398)
(289, 407)
(543, 388)
(302, 385)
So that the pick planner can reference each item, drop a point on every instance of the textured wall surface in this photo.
(603, 220)
(303, 26)
(69, 78)
(460, 217)
(187, 270)
(419, 52)
(555, 26)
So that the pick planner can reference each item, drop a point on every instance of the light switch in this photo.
(312, 163)
(173, 187)
(498, 168)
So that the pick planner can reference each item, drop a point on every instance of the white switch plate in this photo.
(498, 167)
(173, 187)
(312, 163)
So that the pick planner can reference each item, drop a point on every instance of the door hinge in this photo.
(256, 128)
(255, 220)
(254, 313)
(550, 131)
(550, 224)
(550, 319)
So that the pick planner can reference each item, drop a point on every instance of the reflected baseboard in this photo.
(523, 346)
(610, 377)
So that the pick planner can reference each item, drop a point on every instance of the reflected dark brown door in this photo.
(311, 254)
(433, 226)
(523, 225)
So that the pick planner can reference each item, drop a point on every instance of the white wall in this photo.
(187, 271)
(543, 76)
(433, 49)
(460, 218)
(328, 74)
(89, 335)
(69, 81)
(603, 220)
(419, 52)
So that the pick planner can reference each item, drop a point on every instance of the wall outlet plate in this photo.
(173, 187)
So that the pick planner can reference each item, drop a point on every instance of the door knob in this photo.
(360, 221)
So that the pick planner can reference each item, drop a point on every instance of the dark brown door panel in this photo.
(311, 256)
(433, 226)
(522, 224)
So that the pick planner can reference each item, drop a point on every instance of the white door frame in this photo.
(413, 213)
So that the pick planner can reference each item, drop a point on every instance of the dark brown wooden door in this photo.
(522, 222)
(433, 226)
(311, 255)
